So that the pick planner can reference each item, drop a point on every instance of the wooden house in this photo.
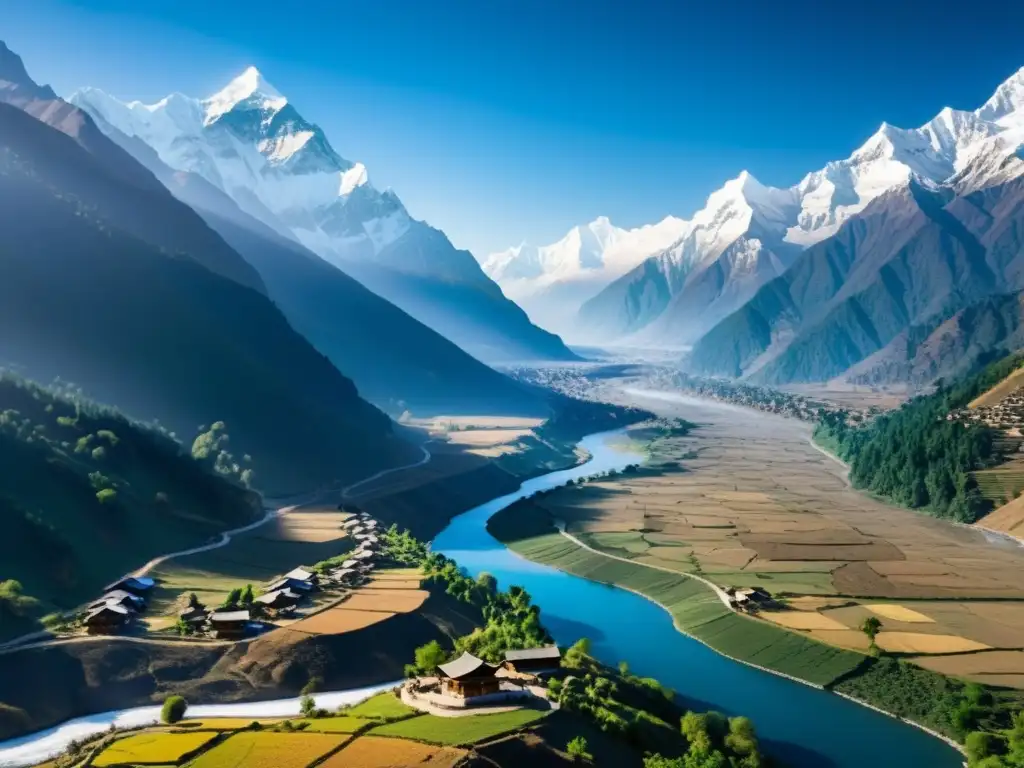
(295, 585)
(278, 599)
(120, 597)
(106, 618)
(137, 585)
(344, 575)
(230, 624)
(533, 661)
(303, 574)
(468, 676)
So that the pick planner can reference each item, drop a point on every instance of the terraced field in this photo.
(378, 733)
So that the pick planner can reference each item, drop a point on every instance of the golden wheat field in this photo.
(379, 752)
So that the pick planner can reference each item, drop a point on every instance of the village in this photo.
(1006, 414)
(293, 595)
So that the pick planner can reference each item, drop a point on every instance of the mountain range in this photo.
(916, 233)
(912, 283)
(251, 144)
(551, 282)
(152, 289)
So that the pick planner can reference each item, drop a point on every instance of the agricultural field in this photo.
(383, 706)
(757, 504)
(459, 730)
(483, 436)
(153, 748)
(340, 724)
(389, 593)
(378, 752)
(259, 749)
(1008, 519)
(302, 536)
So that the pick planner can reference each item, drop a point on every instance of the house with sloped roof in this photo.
(137, 585)
(533, 661)
(468, 676)
(106, 618)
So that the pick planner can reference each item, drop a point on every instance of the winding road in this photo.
(719, 592)
(25, 641)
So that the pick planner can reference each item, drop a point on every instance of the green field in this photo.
(341, 724)
(383, 706)
(695, 609)
(459, 730)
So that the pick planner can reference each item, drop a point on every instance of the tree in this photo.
(307, 705)
(234, 598)
(981, 745)
(173, 709)
(106, 496)
(246, 597)
(430, 656)
(13, 600)
(577, 750)
(870, 627)
(312, 686)
(487, 583)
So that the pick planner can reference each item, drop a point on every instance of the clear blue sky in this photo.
(505, 120)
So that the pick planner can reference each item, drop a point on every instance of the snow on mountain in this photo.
(551, 282)
(251, 143)
(748, 222)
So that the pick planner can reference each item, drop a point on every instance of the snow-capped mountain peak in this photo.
(251, 143)
(250, 87)
(1008, 98)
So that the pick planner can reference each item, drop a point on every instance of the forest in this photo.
(914, 455)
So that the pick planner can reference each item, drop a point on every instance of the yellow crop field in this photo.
(260, 749)
(899, 613)
(377, 752)
(153, 748)
(802, 620)
(916, 642)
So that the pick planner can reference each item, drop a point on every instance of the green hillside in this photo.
(87, 495)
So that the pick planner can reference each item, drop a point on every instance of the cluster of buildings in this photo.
(1007, 414)
(124, 599)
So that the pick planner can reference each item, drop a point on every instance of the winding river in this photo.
(802, 725)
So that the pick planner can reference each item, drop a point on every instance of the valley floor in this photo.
(746, 499)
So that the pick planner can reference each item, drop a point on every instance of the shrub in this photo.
(106, 495)
(173, 709)
(577, 750)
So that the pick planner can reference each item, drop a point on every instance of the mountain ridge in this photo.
(251, 143)
(965, 151)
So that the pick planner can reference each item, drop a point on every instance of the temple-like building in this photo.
(469, 676)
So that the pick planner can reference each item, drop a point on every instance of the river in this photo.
(802, 725)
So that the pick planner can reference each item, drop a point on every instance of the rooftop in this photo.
(229, 616)
(467, 665)
(547, 652)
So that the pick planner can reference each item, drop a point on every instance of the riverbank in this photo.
(814, 729)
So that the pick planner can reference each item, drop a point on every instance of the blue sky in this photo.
(509, 120)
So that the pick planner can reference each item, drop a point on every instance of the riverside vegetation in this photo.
(637, 710)
(916, 456)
